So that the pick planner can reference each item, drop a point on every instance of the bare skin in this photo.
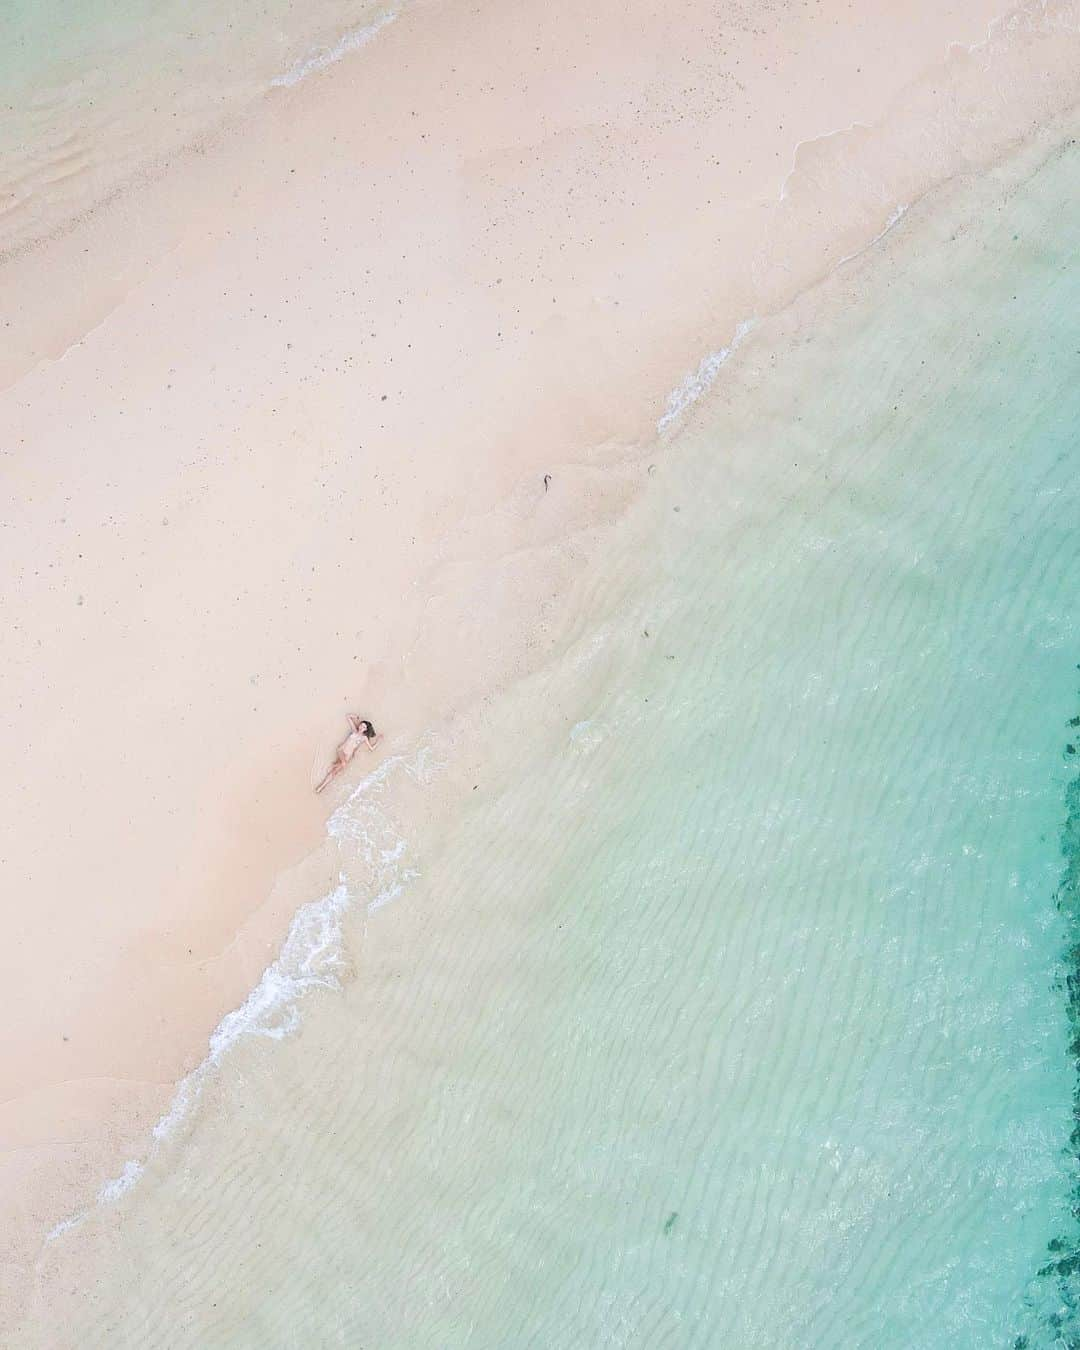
(361, 732)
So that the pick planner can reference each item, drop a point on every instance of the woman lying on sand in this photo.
(361, 731)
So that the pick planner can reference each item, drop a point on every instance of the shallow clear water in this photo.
(730, 1010)
(95, 93)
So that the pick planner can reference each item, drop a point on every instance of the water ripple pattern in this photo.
(729, 1012)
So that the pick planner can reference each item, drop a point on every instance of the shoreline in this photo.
(501, 513)
(364, 1094)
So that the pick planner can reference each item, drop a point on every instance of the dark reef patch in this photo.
(1061, 1324)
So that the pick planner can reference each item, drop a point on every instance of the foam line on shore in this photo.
(318, 60)
(312, 957)
(698, 381)
(895, 216)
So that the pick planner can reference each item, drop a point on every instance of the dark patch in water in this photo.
(1063, 1267)
(669, 1222)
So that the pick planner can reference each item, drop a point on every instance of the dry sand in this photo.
(271, 419)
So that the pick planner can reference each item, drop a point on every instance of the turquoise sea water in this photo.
(733, 1008)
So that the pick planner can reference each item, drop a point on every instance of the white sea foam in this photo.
(64, 1226)
(114, 1189)
(895, 216)
(698, 381)
(351, 41)
(586, 735)
(312, 955)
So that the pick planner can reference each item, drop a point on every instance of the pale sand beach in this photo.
(277, 420)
